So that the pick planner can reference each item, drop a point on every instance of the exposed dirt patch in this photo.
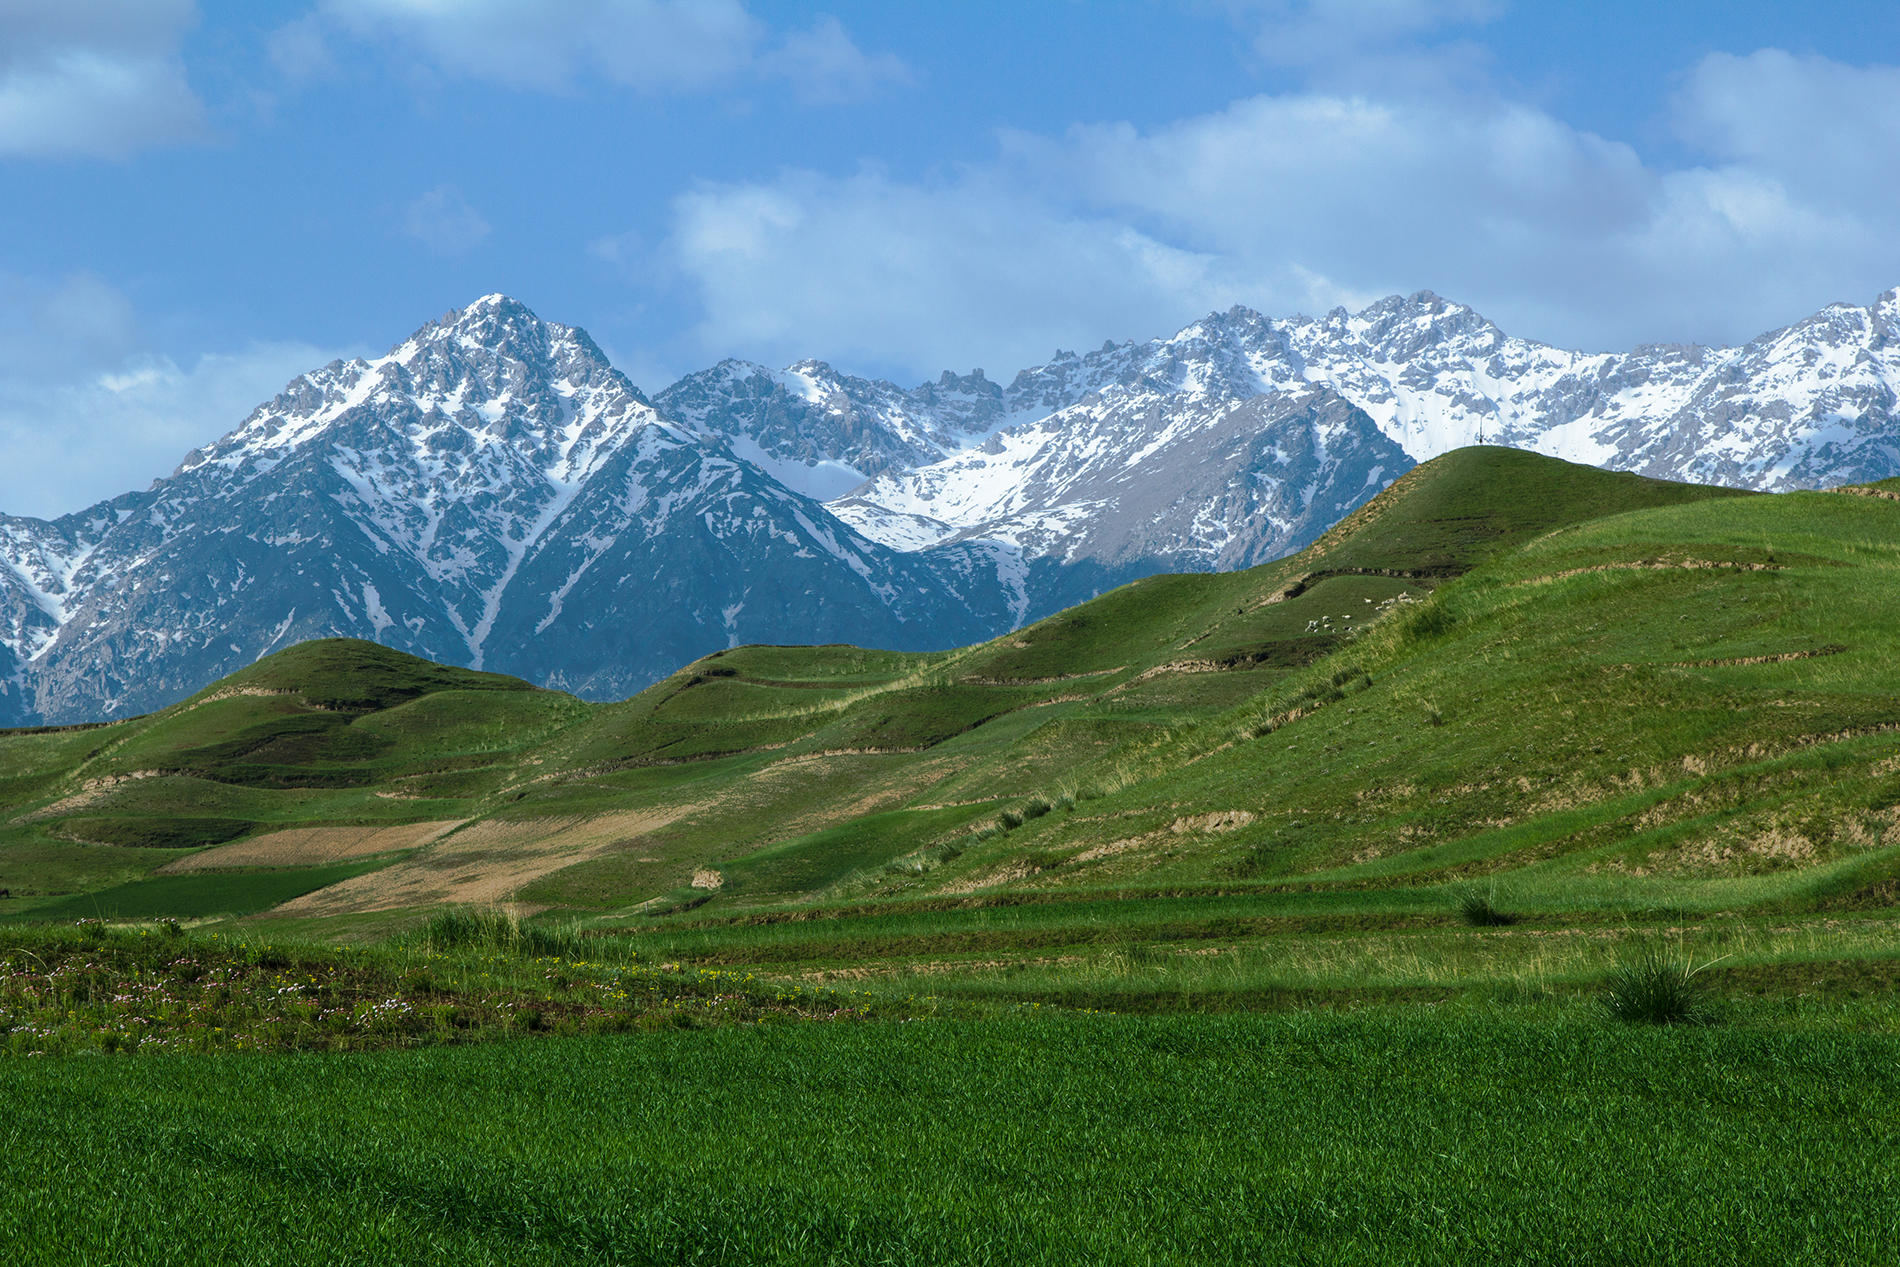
(1858, 490)
(1115, 848)
(1178, 666)
(992, 876)
(879, 789)
(1779, 658)
(483, 864)
(92, 792)
(312, 846)
(1042, 681)
(1220, 820)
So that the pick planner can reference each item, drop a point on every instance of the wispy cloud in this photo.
(443, 221)
(99, 78)
(649, 46)
(876, 272)
(823, 64)
(88, 410)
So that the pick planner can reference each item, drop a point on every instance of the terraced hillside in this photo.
(1578, 694)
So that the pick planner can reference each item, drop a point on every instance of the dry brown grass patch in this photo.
(313, 846)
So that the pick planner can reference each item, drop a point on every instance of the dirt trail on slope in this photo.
(312, 846)
(483, 864)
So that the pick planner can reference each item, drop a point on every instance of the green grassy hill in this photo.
(1587, 693)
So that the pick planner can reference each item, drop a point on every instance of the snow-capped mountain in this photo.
(493, 493)
(1200, 452)
(1171, 455)
(1808, 406)
(1100, 458)
(490, 493)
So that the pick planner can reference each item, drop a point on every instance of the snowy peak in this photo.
(1223, 356)
(492, 374)
(490, 492)
(1401, 328)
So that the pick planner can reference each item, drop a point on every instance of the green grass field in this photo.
(194, 896)
(1379, 1138)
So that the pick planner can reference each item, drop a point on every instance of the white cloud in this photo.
(87, 411)
(300, 50)
(1829, 132)
(1386, 46)
(546, 44)
(94, 77)
(1299, 201)
(653, 46)
(443, 221)
(56, 332)
(823, 64)
(875, 273)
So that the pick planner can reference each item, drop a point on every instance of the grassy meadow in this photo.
(1385, 1137)
(1307, 913)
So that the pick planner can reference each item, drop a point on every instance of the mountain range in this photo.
(493, 493)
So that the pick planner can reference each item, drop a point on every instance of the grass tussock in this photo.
(1656, 984)
(499, 932)
(1479, 908)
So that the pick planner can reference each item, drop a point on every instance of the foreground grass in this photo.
(1382, 1137)
(92, 990)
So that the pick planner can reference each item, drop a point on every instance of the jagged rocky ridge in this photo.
(493, 493)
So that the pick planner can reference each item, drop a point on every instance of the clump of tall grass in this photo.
(1424, 622)
(924, 860)
(1657, 985)
(500, 932)
(1479, 908)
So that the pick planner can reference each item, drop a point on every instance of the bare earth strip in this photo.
(483, 864)
(312, 846)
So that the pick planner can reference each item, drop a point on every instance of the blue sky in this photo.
(198, 202)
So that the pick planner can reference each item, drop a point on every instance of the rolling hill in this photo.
(1584, 690)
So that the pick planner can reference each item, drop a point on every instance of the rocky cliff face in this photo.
(1132, 481)
(493, 493)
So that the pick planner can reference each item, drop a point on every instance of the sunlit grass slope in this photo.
(1584, 690)
(1384, 817)
(324, 734)
(1691, 705)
